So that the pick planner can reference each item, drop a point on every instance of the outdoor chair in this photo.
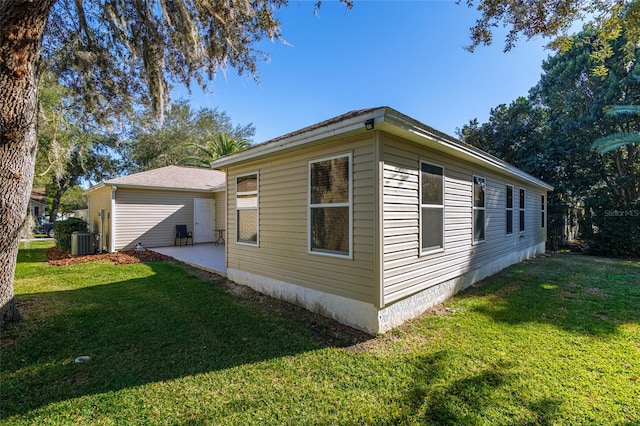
(181, 232)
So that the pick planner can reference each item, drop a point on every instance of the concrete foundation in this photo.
(366, 316)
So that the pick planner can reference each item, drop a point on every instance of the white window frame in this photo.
(522, 211)
(348, 204)
(508, 209)
(483, 208)
(430, 250)
(257, 209)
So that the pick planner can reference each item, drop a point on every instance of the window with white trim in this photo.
(431, 207)
(509, 209)
(330, 206)
(247, 209)
(542, 212)
(522, 210)
(479, 219)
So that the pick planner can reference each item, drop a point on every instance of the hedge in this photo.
(63, 230)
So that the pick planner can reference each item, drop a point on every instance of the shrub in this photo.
(617, 230)
(63, 230)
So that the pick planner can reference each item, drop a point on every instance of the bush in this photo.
(618, 230)
(63, 230)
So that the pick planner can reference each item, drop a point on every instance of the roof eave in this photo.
(385, 119)
(216, 188)
(446, 143)
(353, 125)
(93, 188)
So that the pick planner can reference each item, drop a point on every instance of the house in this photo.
(146, 207)
(38, 202)
(373, 217)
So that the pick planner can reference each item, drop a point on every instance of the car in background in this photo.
(44, 227)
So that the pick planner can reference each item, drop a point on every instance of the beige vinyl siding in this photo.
(221, 207)
(283, 251)
(97, 200)
(405, 271)
(150, 216)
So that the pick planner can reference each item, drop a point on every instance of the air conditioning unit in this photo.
(82, 243)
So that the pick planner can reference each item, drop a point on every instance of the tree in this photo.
(577, 102)
(622, 147)
(181, 136)
(550, 135)
(74, 199)
(221, 145)
(514, 133)
(69, 149)
(21, 29)
(617, 215)
(608, 21)
(112, 54)
(625, 137)
(92, 159)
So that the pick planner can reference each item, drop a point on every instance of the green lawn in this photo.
(550, 341)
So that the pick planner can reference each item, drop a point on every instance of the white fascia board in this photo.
(385, 119)
(341, 128)
(455, 147)
(162, 188)
(93, 188)
(218, 188)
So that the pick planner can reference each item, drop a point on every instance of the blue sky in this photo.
(404, 54)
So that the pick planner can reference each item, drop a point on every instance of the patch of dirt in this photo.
(57, 257)
(440, 310)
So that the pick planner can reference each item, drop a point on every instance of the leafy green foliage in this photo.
(551, 133)
(221, 145)
(117, 54)
(614, 141)
(70, 149)
(184, 136)
(515, 133)
(609, 21)
(618, 229)
(74, 199)
(63, 230)
(619, 139)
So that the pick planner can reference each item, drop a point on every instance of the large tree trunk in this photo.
(63, 186)
(22, 24)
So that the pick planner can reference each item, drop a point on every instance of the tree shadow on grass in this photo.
(33, 255)
(437, 400)
(581, 294)
(164, 326)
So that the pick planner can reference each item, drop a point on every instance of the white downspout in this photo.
(112, 225)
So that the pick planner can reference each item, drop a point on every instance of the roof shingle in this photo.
(174, 177)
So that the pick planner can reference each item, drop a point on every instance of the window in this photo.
(431, 207)
(509, 208)
(522, 215)
(542, 221)
(247, 209)
(330, 206)
(479, 188)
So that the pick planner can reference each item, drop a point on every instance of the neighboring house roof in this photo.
(172, 178)
(385, 119)
(39, 195)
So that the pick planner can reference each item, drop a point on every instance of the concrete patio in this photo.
(208, 256)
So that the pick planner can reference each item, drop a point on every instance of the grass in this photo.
(550, 341)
